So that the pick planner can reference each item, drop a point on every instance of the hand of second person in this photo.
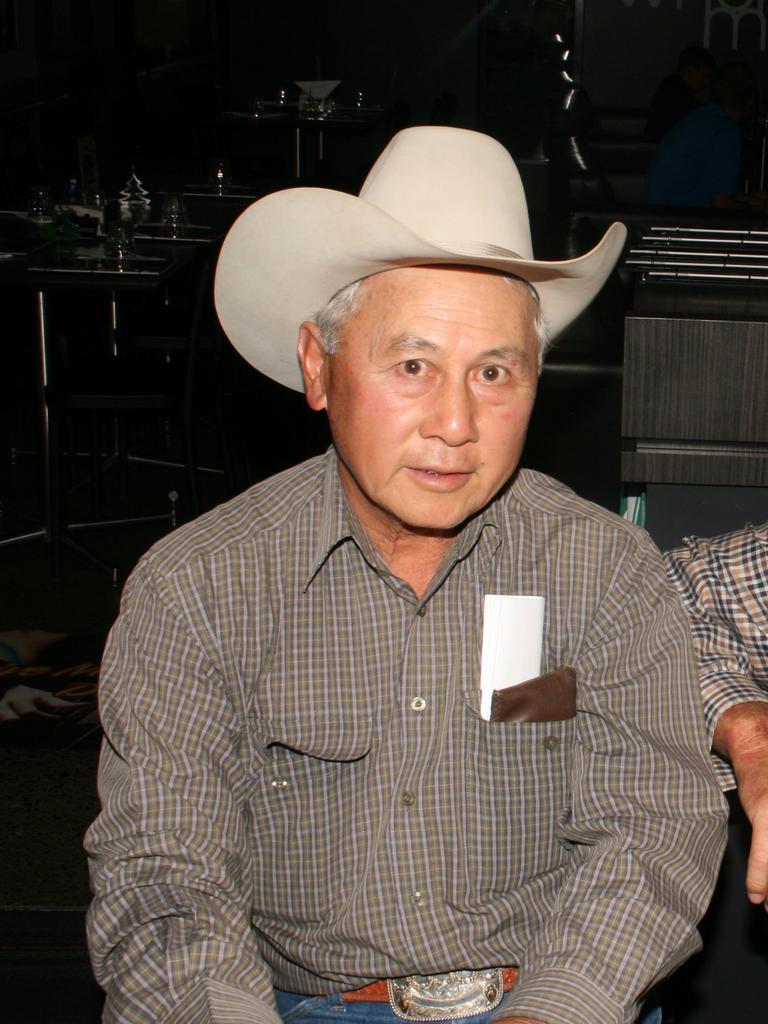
(742, 735)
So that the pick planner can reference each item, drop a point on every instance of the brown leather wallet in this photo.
(547, 698)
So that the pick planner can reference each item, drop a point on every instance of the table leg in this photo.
(44, 531)
(113, 321)
(50, 485)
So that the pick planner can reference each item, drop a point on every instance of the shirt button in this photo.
(417, 898)
(279, 783)
(422, 611)
(409, 798)
(418, 704)
(550, 742)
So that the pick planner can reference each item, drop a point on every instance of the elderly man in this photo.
(308, 811)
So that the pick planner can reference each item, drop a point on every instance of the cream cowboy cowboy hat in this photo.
(435, 195)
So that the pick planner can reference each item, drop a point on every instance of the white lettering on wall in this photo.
(739, 11)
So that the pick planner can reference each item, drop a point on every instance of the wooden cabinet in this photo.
(695, 401)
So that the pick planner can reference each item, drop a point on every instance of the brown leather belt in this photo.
(378, 991)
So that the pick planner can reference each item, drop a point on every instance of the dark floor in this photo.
(49, 795)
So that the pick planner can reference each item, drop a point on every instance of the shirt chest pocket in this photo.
(519, 772)
(309, 773)
(525, 753)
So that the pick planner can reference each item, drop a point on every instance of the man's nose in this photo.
(450, 413)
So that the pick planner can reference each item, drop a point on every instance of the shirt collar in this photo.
(759, 535)
(335, 525)
(339, 524)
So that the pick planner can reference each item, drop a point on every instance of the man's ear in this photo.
(312, 359)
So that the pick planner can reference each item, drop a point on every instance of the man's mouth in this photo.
(441, 475)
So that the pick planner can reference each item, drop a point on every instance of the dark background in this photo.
(148, 76)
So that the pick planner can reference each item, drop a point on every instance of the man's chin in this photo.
(437, 523)
(432, 530)
(444, 517)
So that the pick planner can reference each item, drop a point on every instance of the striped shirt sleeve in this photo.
(170, 937)
(723, 582)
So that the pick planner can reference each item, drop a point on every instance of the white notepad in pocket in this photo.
(513, 626)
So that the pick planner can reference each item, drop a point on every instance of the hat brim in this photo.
(290, 252)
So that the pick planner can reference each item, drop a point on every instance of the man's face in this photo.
(699, 79)
(428, 396)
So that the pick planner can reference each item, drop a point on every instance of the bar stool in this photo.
(151, 374)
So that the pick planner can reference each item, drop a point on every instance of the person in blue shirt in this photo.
(681, 92)
(697, 162)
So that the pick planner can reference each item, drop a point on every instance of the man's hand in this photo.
(742, 736)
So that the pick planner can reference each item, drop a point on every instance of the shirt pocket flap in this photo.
(324, 737)
(547, 698)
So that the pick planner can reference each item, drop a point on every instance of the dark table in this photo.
(215, 209)
(288, 120)
(86, 267)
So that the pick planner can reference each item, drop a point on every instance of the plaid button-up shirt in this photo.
(723, 582)
(298, 789)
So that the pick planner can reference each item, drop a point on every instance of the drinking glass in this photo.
(119, 242)
(39, 205)
(95, 199)
(220, 174)
(173, 211)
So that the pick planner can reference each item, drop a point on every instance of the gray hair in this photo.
(332, 318)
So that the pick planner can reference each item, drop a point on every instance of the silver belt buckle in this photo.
(446, 996)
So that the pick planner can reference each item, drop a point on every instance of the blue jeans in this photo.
(322, 1009)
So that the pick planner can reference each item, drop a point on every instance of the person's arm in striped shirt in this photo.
(724, 588)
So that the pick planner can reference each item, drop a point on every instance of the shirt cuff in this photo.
(215, 1002)
(740, 690)
(726, 691)
(562, 997)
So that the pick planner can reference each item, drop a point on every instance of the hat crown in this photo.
(452, 186)
(436, 195)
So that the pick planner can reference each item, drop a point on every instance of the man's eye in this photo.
(413, 367)
(490, 374)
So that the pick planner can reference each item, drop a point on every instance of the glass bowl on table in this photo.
(315, 101)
